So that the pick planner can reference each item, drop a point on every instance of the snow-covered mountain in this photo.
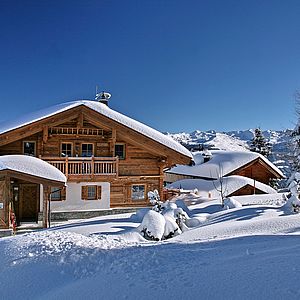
(238, 141)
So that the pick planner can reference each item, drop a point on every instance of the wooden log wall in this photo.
(257, 172)
(140, 166)
(4, 200)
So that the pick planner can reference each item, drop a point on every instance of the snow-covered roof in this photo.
(103, 110)
(221, 161)
(231, 184)
(31, 166)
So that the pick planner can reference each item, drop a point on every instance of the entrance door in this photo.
(28, 205)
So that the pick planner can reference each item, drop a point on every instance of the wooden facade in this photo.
(257, 170)
(89, 147)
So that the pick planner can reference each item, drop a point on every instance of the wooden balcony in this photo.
(85, 167)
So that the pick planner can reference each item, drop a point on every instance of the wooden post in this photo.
(93, 166)
(46, 194)
(67, 167)
(113, 142)
(45, 134)
(117, 167)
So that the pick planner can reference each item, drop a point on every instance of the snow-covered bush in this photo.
(293, 203)
(231, 203)
(155, 201)
(171, 227)
(153, 226)
(165, 219)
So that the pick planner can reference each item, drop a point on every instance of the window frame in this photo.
(124, 150)
(62, 194)
(34, 142)
(72, 149)
(93, 149)
(144, 196)
(85, 192)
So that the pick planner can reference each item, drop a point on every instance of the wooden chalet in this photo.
(226, 164)
(110, 160)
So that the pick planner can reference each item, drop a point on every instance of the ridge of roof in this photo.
(104, 110)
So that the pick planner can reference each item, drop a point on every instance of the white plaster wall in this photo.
(74, 202)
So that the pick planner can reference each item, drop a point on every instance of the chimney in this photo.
(103, 97)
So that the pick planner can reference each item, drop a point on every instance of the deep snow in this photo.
(251, 252)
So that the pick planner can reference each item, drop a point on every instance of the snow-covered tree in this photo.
(220, 184)
(295, 141)
(259, 144)
(294, 180)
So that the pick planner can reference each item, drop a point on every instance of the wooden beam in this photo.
(45, 134)
(46, 196)
(113, 142)
(80, 120)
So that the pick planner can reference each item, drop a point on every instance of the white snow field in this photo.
(252, 252)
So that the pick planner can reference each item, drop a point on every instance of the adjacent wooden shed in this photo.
(20, 180)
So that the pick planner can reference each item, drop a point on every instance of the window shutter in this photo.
(84, 192)
(99, 192)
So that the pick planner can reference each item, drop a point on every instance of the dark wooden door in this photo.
(28, 205)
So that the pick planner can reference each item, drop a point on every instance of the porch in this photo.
(76, 167)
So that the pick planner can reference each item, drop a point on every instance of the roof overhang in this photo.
(31, 178)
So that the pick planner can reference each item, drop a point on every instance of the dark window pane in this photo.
(138, 192)
(29, 148)
(87, 150)
(120, 151)
(92, 192)
(55, 194)
(66, 149)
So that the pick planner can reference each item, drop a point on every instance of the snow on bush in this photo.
(293, 203)
(165, 220)
(171, 227)
(231, 203)
(153, 226)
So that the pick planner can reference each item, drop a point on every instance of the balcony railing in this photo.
(85, 166)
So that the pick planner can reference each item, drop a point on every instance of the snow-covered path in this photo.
(256, 267)
(246, 253)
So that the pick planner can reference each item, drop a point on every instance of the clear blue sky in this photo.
(174, 65)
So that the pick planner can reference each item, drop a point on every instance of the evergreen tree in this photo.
(295, 139)
(259, 144)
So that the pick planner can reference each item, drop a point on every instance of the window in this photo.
(86, 150)
(29, 148)
(58, 194)
(138, 192)
(120, 151)
(66, 149)
(91, 192)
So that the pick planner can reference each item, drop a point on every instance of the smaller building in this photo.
(20, 180)
(244, 172)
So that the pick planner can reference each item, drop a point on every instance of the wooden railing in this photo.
(91, 166)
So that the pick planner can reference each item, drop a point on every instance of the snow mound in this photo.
(231, 203)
